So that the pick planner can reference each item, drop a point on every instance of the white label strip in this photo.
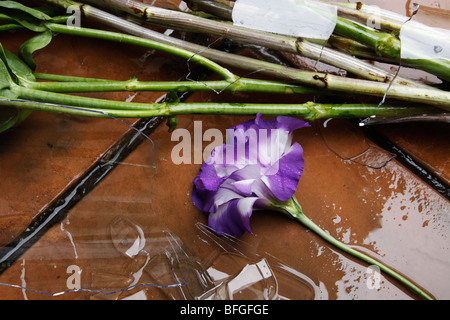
(377, 13)
(419, 41)
(297, 18)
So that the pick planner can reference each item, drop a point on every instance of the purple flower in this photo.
(256, 168)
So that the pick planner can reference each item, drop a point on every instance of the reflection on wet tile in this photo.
(362, 206)
(241, 274)
(138, 236)
(427, 143)
(417, 221)
(49, 152)
(350, 144)
(64, 148)
(121, 244)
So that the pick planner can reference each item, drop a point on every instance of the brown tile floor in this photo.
(373, 202)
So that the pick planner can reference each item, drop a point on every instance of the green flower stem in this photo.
(185, 21)
(82, 102)
(356, 49)
(293, 209)
(320, 80)
(324, 54)
(64, 78)
(309, 110)
(384, 44)
(389, 46)
(215, 8)
(54, 108)
(247, 63)
(74, 84)
(362, 13)
(147, 43)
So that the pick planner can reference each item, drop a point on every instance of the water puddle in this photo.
(112, 243)
(350, 144)
(128, 229)
(417, 221)
(131, 238)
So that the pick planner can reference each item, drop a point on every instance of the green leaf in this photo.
(31, 26)
(172, 97)
(5, 18)
(172, 123)
(30, 46)
(8, 118)
(16, 19)
(21, 8)
(27, 17)
(5, 77)
(9, 27)
(19, 68)
(11, 117)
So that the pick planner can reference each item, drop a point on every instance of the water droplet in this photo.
(437, 49)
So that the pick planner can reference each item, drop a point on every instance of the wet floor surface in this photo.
(95, 198)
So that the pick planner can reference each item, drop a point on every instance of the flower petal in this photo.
(225, 194)
(290, 124)
(258, 187)
(233, 218)
(244, 186)
(208, 179)
(203, 199)
(283, 177)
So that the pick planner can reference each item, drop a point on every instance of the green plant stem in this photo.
(215, 8)
(389, 46)
(320, 80)
(356, 49)
(335, 83)
(138, 41)
(384, 44)
(145, 42)
(99, 85)
(364, 13)
(309, 110)
(185, 21)
(294, 210)
(65, 78)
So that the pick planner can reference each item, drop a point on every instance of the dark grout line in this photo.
(59, 209)
(408, 161)
(111, 158)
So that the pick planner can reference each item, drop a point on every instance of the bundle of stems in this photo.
(185, 21)
(382, 44)
(21, 89)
